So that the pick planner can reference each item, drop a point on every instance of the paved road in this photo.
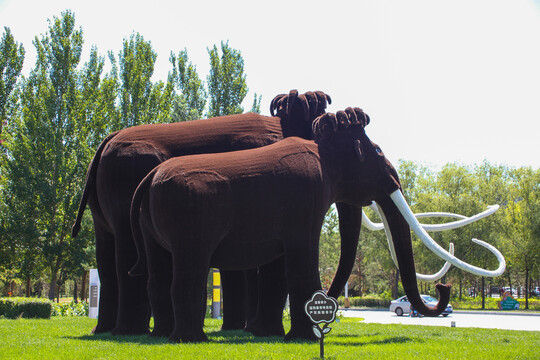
(488, 320)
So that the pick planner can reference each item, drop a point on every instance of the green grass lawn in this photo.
(70, 338)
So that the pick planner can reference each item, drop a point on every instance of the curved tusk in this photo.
(456, 224)
(406, 212)
(464, 220)
(420, 277)
(440, 273)
(439, 214)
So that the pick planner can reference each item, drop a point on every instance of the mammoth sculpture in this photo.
(126, 156)
(243, 209)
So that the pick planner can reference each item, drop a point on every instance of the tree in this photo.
(190, 103)
(256, 106)
(226, 81)
(11, 63)
(47, 150)
(141, 100)
(521, 212)
(329, 248)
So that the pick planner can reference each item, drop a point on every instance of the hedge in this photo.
(15, 307)
(367, 301)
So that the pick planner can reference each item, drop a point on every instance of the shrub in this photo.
(70, 309)
(369, 301)
(15, 307)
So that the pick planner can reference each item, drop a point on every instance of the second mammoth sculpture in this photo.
(245, 209)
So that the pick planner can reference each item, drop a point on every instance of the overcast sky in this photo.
(443, 81)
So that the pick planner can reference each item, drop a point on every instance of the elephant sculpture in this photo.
(244, 209)
(125, 157)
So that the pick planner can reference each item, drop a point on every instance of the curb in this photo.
(484, 312)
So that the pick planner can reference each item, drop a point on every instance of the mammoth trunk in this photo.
(401, 237)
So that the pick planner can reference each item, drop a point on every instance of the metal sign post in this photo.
(216, 295)
(321, 309)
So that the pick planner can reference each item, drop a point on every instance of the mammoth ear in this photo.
(358, 150)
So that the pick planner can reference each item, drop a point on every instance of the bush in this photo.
(369, 301)
(15, 307)
(70, 309)
(469, 303)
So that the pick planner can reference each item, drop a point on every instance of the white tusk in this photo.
(439, 214)
(405, 210)
(464, 220)
(420, 277)
(456, 224)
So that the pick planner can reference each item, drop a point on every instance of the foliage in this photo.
(11, 63)
(15, 307)
(70, 309)
(70, 338)
(226, 81)
(365, 302)
(192, 100)
(468, 303)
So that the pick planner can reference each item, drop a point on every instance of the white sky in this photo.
(443, 81)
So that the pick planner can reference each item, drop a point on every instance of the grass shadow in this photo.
(220, 336)
(341, 340)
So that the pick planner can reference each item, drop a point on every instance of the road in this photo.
(486, 319)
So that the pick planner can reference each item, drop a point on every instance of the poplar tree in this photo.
(47, 153)
(11, 63)
(226, 81)
(191, 101)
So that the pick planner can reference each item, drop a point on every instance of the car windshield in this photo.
(429, 298)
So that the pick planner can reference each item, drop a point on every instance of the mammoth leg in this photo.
(235, 301)
(187, 292)
(252, 296)
(272, 295)
(159, 264)
(133, 303)
(301, 262)
(159, 289)
(108, 297)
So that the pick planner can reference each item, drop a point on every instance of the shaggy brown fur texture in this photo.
(122, 161)
(244, 209)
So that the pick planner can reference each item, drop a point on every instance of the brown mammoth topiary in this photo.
(125, 157)
(247, 208)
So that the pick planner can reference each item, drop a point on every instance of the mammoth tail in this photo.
(90, 184)
(140, 267)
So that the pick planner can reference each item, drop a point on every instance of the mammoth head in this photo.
(298, 111)
(342, 137)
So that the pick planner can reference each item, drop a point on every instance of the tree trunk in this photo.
(483, 294)
(52, 288)
(28, 286)
(359, 259)
(526, 288)
(395, 286)
(83, 285)
(75, 300)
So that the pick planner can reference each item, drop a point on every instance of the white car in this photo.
(402, 305)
